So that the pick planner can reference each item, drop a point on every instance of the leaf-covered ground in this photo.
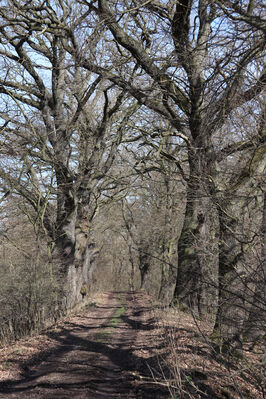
(122, 348)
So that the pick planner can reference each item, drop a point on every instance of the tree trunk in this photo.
(144, 266)
(241, 303)
(169, 247)
(169, 273)
(196, 285)
(254, 328)
(76, 256)
(169, 239)
(241, 214)
(230, 312)
(132, 271)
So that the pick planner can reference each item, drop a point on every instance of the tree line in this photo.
(151, 115)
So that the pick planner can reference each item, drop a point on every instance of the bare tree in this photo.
(152, 213)
(241, 271)
(193, 65)
(61, 126)
(194, 73)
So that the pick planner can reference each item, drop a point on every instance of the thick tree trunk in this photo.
(241, 304)
(231, 307)
(144, 265)
(254, 327)
(196, 285)
(76, 256)
(168, 282)
(168, 275)
(241, 270)
(144, 269)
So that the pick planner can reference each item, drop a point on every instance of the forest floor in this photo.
(122, 347)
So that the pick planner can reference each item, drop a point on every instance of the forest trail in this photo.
(103, 352)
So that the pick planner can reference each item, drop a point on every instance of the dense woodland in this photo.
(133, 156)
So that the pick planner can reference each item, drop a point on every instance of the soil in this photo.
(108, 351)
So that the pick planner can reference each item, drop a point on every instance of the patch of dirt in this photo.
(108, 351)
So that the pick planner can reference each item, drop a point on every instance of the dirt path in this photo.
(103, 353)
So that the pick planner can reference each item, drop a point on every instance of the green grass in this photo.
(116, 319)
(117, 316)
(120, 311)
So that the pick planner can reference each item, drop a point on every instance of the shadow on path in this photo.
(94, 358)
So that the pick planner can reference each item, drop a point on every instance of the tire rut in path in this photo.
(98, 356)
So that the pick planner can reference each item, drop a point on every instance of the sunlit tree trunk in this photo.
(241, 215)
(197, 246)
(73, 251)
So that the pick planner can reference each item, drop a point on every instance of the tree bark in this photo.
(241, 276)
(168, 273)
(241, 215)
(196, 285)
(254, 326)
(144, 265)
(73, 252)
(169, 246)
